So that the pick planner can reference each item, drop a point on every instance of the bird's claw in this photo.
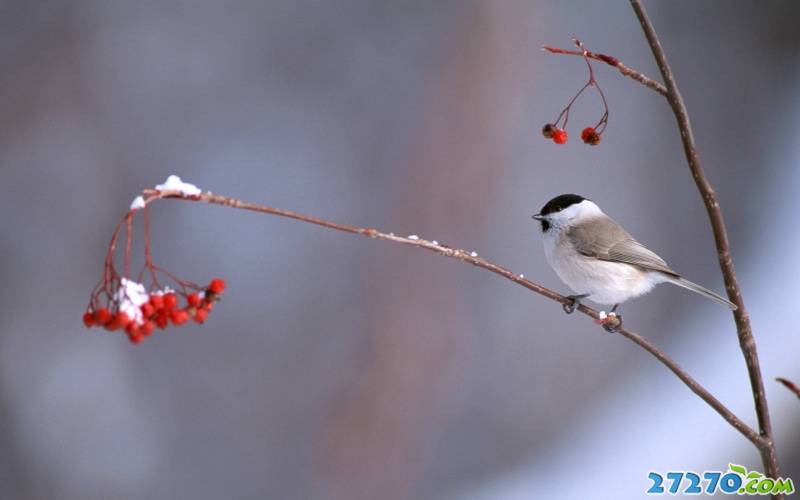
(575, 301)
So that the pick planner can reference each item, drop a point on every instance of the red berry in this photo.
(88, 319)
(200, 315)
(216, 286)
(590, 136)
(157, 301)
(120, 320)
(179, 316)
(147, 328)
(112, 324)
(134, 333)
(148, 310)
(162, 320)
(102, 316)
(193, 299)
(170, 301)
(560, 136)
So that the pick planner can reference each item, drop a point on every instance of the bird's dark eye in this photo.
(545, 225)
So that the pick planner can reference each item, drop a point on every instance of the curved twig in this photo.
(473, 258)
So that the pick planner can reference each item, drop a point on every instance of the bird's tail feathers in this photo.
(684, 283)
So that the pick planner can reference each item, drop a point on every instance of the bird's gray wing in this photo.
(604, 239)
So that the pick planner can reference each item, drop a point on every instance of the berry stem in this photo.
(591, 82)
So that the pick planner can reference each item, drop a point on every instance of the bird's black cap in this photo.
(557, 204)
(560, 202)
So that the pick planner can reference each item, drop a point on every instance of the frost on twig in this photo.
(174, 183)
(138, 203)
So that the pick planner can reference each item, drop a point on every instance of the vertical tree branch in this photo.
(743, 328)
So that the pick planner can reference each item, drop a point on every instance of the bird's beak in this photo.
(537, 216)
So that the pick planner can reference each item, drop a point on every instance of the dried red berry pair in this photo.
(559, 135)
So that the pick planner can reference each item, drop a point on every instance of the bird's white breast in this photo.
(605, 282)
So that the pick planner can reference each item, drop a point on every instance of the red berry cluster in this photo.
(158, 309)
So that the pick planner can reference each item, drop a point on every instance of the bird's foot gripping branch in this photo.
(611, 322)
(123, 302)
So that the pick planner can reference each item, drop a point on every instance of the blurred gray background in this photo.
(342, 368)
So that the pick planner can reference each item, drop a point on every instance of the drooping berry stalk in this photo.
(120, 302)
(590, 135)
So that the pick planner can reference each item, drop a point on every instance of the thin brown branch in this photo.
(789, 385)
(616, 63)
(475, 260)
(746, 340)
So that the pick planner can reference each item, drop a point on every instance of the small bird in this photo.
(599, 260)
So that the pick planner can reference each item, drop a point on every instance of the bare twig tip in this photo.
(789, 385)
